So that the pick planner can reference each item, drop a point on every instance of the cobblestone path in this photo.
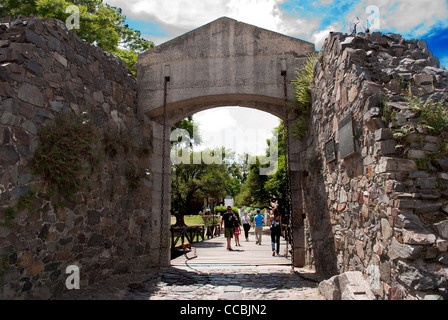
(206, 283)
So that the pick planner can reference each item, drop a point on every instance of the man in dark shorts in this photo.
(228, 219)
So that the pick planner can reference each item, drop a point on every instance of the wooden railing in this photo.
(193, 234)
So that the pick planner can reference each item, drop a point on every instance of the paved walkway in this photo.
(213, 252)
(250, 273)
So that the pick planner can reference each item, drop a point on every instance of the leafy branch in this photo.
(302, 90)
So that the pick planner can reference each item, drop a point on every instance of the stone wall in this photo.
(375, 203)
(375, 208)
(47, 71)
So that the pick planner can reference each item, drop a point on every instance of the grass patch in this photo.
(189, 220)
(433, 114)
(432, 119)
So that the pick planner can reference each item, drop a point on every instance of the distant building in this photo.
(228, 201)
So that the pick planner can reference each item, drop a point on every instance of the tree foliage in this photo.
(260, 190)
(100, 24)
(192, 183)
(195, 182)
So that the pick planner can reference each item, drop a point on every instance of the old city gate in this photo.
(224, 63)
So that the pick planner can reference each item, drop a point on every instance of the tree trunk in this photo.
(180, 221)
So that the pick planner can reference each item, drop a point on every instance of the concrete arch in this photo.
(224, 63)
(225, 60)
(182, 109)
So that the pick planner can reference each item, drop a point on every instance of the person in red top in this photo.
(237, 232)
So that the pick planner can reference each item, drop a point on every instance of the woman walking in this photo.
(275, 222)
(246, 225)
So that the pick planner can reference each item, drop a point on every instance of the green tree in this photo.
(276, 184)
(215, 181)
(233, 187)
(191, 183)
(193, 131)
(253, 192)
(100, 24)
(194, 182)
(185, 184)
(15, 8)
(260, 191)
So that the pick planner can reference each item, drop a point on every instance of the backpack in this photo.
(275, 223)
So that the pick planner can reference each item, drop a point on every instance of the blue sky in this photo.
(162, 20)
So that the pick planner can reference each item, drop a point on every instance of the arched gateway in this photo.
(224, 63)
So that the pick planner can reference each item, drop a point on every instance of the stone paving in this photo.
(206, 283)
(248, 273)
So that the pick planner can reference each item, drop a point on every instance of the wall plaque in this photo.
(330, 151)
(346, 139)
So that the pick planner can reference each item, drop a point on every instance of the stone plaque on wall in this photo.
(346, 140)
(330, 151)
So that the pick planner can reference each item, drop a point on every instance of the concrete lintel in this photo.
(177, 111)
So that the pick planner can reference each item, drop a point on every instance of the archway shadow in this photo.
(183, 280)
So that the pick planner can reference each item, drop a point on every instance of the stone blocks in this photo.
(347, 286)
(384, 207)
(46, 71)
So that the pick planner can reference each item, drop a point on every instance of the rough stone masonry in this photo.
(369, 206)
(377, 200)
(47, 71)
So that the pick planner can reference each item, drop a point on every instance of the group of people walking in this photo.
(232, 228)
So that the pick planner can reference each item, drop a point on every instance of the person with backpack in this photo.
(275, 222)
(228, 219)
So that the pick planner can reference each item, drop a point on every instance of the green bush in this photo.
(302, 90)
(222, 209)
(212, 220)
(433, 114)
(302, 84)
(66, 152)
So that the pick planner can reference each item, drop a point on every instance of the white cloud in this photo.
(411, 14)
(187, 14)
(179, 16)
(215, 120)
(180, 13)
(263, 13)
(402, 16)
(318, 37)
